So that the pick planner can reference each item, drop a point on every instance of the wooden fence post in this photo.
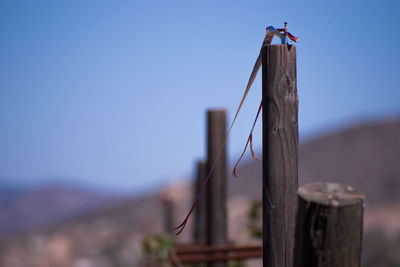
(329, 226)
(280, 141)
(168, 213)
(200, 214)
(216, 188)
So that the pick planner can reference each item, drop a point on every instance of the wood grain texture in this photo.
(329, 226)
(200, 213)
(216, 188)
(280, 144)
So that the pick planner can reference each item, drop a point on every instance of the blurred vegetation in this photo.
(156, 249)
(254, 225)
(237, 264)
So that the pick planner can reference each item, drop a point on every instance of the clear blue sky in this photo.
(113, 93)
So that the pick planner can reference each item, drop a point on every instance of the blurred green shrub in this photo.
(156, 249)
(254, 225)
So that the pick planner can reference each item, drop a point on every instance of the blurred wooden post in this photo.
(200, 214)
(280, 141)
(329, 226)
(216, 188)
(168, 211)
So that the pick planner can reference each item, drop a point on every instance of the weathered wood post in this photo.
(280, 141)
(168, 213)
(216, 188)
(329, 226)
(200, 214)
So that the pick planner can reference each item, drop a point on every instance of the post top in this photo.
(217, 110)
(276, 48)
(289, 46)
(331, 194)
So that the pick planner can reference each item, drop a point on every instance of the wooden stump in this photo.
(329, 226)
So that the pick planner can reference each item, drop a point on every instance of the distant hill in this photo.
(23, 210)
(365, 156)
